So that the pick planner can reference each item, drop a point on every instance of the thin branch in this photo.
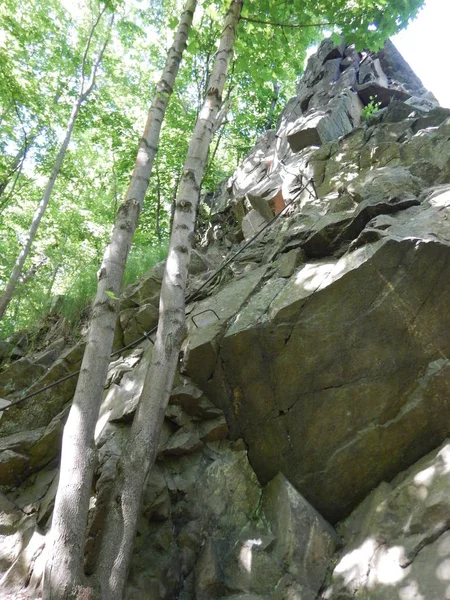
(5, 201)
(86, 48)
(213, 155)
(292, 25)
(116, 200)
(19, 116)
(221, 116)
(97, 62)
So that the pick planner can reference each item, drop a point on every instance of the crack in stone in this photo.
(427, 541)
(405, 409)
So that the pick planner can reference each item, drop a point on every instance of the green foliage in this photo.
(81, 293)
(370, 109)
(143, 259)
(41, 45)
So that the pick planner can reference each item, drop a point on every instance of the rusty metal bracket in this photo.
(313, 185)
(203, 312)
(146, 335)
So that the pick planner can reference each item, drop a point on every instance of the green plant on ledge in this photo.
(370, 109)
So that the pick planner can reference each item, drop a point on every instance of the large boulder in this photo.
(338, 375)
(335, 369)
(397, 542)
(39, 410)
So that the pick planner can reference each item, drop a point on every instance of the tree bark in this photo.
(140, 451)
(40, 210)
(174, 200)
(276, 93)
(64, 567)
(158, 209)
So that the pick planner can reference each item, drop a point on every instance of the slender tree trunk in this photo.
(16, 166)
(140, 451)
(276, 93)
(38, 214)
(19, 159)
(17, 172)
(64, 567)
(158, 208)
(40, 210)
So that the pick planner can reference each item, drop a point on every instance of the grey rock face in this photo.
(42, 408)
(284, 530)
(397, 542)
(315, 368)
(19, 375)
(324, 376)
(317, 127)
(337, 84)
(321, 370)
(252, 223)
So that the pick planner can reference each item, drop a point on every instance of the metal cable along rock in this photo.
(146, 335)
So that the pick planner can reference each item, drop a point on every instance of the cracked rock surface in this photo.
(315, 370)
(397, 542)
(327, 370)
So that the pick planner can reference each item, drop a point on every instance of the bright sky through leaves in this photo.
(424, 44)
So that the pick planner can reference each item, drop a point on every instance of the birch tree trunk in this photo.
(140, 451)
(65, 552)
(42, 206)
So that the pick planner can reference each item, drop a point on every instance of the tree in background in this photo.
(41, 45)
(40, 61)
(86, 85)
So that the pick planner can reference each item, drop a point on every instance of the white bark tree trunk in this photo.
(140, 451)
(65, 553)
(40, 210)
(38, 214)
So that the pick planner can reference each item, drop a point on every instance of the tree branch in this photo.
(85, 93)
(88, 44)
(291, 25)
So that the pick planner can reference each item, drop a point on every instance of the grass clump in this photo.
(33, 308)
(81, 293)
(370, 109)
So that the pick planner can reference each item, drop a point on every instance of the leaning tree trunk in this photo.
(276, 95)
(40, 210)
(140, 451)
(64, 567)
(14, 168)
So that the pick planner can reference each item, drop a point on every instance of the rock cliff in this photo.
(315, 373)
